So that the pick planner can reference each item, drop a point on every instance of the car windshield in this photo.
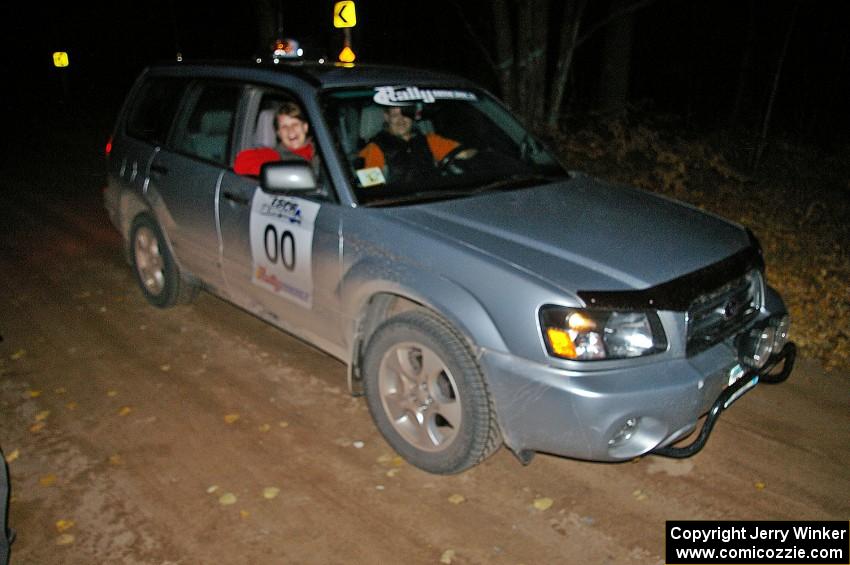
(408, 144)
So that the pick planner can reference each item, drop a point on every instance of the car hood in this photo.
(583, 234)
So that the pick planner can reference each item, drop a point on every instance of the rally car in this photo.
(494, 297)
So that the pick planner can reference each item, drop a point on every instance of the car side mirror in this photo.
(287, 176)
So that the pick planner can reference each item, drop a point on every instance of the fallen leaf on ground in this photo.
(71, 405)
(457, 498)
(41, 416)
(264, 428)
(270, 492)
(244, 514)
(212, 489)
(65, 539)
(13, 455)
(47, 480)
(116, 460)
(543, 503)
(640, 495)
(165, 368)
(33, 393)
(125, 410)
(112, 393)
(447, 556)
(17, 354)
(59, 390)
(760, 485)
(64, 525)
(227, 499)
(230, 418)
(393, 472)
(37, 427)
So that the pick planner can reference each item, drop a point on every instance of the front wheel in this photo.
(427, 396)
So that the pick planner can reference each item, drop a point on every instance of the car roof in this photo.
(327, 75)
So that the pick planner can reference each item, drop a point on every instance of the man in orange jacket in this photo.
(402, 152)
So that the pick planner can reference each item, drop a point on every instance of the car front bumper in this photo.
(617, 414)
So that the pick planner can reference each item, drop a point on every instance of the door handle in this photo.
(236, 198)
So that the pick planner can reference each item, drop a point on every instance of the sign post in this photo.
(345, 17)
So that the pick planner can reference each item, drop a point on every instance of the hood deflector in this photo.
(679, 293)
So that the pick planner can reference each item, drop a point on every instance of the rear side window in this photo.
(154, 108)
(206, 127)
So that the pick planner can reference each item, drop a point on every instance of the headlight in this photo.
(575, 333)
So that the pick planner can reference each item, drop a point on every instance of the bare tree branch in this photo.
(494, 66)
(611, 17)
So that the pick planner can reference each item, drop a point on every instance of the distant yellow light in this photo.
(347, 55)
(60, 59)
(561, 343)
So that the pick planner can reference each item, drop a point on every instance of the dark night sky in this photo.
(685, 59)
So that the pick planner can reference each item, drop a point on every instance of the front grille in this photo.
(723, 312)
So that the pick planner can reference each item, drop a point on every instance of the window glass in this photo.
(279, 129)
(151, 116)
(406, 144)
(207, 130)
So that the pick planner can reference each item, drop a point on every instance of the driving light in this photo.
(781, 325)
(573, 333)
(756, 347)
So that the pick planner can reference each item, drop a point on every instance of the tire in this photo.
(427, 395)
(156, 272)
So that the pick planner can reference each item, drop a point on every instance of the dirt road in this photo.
(202, 435)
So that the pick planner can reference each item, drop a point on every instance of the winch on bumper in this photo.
(619, 414)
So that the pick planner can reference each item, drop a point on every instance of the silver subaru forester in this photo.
(479, 292)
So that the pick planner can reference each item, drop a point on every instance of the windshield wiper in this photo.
(512, 182)
(508, 183)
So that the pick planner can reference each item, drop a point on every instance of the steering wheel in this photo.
(447, 163)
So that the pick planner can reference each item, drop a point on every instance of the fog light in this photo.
(756, 347)
(781, 324)
(625, 433)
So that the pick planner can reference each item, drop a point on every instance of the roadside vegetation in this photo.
(797, 202)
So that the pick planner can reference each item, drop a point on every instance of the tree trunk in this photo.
(745, 66)
(769, 111)
(616, 61)
(531, 64)
(505, 52)
(568, 42)
(266, 26)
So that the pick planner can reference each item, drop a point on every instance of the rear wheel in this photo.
(427, 396)
(155, 269)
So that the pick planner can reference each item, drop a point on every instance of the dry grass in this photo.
(797, 203)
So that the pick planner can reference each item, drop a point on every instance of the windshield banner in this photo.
(404, 95)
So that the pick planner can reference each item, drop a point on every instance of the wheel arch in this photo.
(371, 301)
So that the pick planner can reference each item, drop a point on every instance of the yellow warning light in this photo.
(60, 59)
(345, 14)
(347, 55)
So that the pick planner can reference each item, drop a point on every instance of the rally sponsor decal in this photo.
(282, 245)
(404, 95)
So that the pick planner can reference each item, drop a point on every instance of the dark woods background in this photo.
(713, 64)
